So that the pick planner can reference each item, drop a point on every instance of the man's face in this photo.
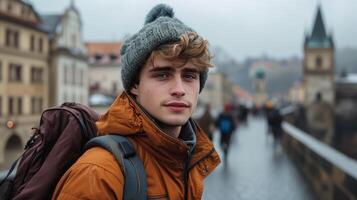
(169, 92)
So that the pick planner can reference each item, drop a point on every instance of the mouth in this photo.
(177, 106)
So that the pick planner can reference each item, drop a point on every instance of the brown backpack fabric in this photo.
(55, 146)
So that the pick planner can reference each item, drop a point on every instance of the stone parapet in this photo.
(332, 175)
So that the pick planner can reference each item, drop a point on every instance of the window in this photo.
(113, 57)
(9, 6)
(15, 72)
(65, 74)
(36, 105)
(12, 38)
(318, 62)
(81, 77)
(74, 41)
(8, 37)
(33, 105)
(19, 106)
(36, 75)
(73, 74)
(11, 105)
(15, 106)
(98, 57)
(0, 105)
(23, 11)
(40, 104)
(0, 71)
(40, 45)
(32, 43)
(16, 39)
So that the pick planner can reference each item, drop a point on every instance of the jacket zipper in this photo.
(188, 168)
(185, 174)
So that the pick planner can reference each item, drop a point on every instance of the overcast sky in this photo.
(241, 27)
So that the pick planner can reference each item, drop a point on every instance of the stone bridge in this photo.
(299, 168)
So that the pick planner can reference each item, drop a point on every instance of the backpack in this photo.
(225, 125)
(64, 133)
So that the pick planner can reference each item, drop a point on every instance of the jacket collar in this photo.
(126, 117)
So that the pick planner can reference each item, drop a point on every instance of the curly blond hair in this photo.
(191, 47)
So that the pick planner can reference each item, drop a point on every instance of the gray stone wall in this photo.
(329, 181)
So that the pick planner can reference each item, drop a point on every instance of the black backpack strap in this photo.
(9, 175)
(135, 185)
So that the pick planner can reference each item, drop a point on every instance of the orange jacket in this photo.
(96, 174)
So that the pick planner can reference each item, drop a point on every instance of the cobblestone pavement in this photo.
(256, 170)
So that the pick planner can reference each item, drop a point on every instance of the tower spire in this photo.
(72, 4)
(319, 31)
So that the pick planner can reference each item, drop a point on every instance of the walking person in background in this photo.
(207, 122)
(275, 120)
(243, 115)
(226, 125)
(268, 108)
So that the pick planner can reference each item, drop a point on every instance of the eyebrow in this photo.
(161, 68)
(171, 69)
(193, 70)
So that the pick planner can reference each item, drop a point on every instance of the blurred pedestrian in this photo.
(243, 115)
(226, 125)
(275, 120)
(207, 122)
(268, 107)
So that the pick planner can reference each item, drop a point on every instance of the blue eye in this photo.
(190, 76)
(161, 76)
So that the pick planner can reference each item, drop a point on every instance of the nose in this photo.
(177, 88)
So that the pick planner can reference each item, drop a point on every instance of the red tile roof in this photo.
(103, 47)
(103, 53)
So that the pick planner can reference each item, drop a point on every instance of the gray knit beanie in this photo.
(161, 27)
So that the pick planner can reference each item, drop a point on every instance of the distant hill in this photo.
(281, 73)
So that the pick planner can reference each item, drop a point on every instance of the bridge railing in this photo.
(332, 175)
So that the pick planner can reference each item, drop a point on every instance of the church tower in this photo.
(319, 63)
(260, 96)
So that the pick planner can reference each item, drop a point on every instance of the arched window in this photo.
(318, 62)
(13, 150)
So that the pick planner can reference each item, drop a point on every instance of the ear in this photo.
(134, 90)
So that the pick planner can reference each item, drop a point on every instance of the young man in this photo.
(164, 67)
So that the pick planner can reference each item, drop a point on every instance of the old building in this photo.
(105, 71)
(68, 57)
(296, 94)
(319, 86)
(23, 75)
(218, 90)
(346, 114)
(260, 87)
(318, 63)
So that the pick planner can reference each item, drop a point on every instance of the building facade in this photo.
(346, 115)
(296, 94)
(23, 75)
(260, 87)
(68, 58)
(105, 70)
(218, 91)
